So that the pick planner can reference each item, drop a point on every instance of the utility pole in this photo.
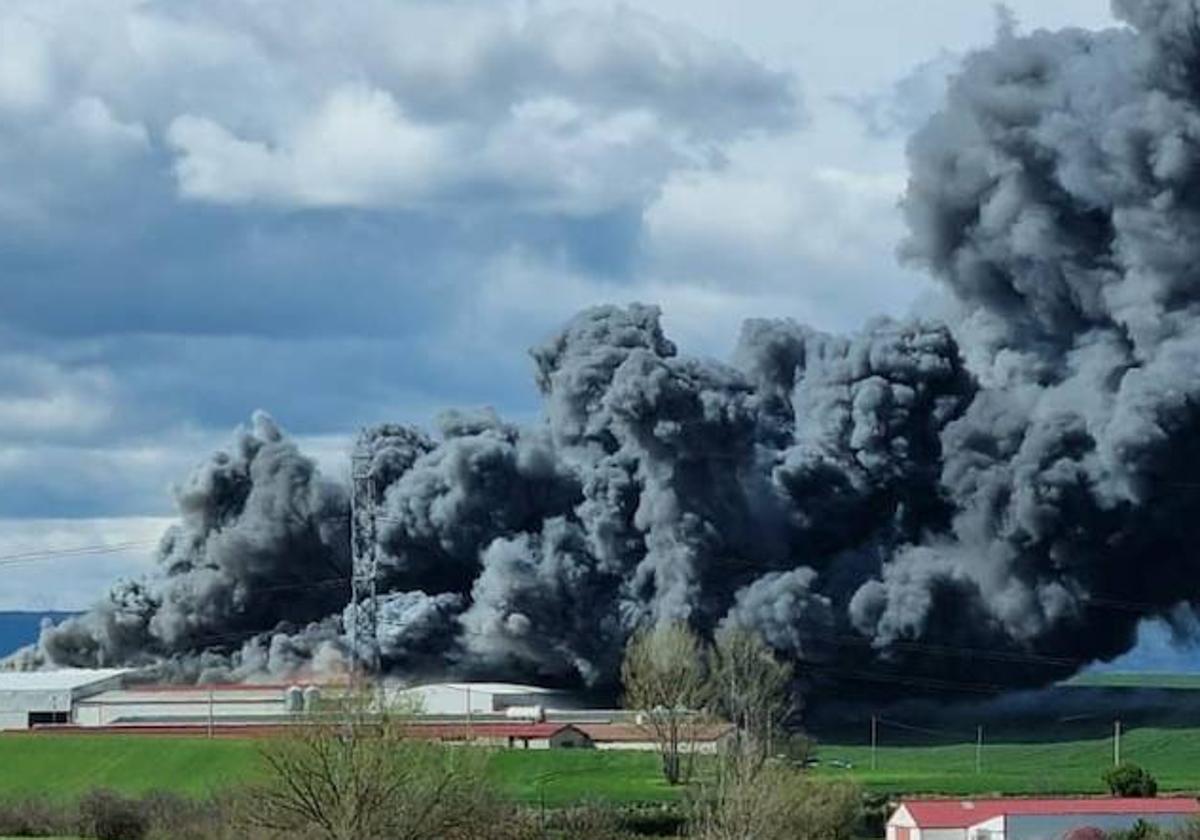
(470, 718)
(874, 741)
(364, 575)
(1116, 742)
(979, 749)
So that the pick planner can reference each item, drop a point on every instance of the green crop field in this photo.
(1013, 762)
(67, 765)
(1042, 767)
(562, 776)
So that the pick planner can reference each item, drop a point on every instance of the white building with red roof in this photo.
(1031, 819)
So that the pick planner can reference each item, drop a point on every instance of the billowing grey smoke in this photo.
(997, 499)
(260, 551)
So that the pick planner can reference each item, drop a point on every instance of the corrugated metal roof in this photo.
(486, 688)
(961, 813)
(66, 679)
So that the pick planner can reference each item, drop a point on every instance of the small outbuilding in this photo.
(30, 699)
(1031, 819)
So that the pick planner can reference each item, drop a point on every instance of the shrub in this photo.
(658, 820)
(1141, 830)
(106, 815)
(1130, 780)
(360, 777)
(1085, 833)
(35, 818)
(774, 802)
(592, 820)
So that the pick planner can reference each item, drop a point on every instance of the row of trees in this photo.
(679, 685)
(360, 777)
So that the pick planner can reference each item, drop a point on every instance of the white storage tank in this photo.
(312, 698)
(537, 714)
(293, 699)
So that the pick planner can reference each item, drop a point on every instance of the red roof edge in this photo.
(961, 813)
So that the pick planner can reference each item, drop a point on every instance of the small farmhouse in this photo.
(1030, 819)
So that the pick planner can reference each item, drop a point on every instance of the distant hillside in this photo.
(21, 628)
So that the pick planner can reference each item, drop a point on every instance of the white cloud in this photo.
(793, 221)
(91, 119)
(47, 400)
(385, 104)
(61, 577)
(357, 149)
(25, 66)
(902, 106)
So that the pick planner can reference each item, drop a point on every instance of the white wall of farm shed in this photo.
(477, 698)
(181, 705)
(46, 697)
(992, 829)
(902, 826)
(698, 747)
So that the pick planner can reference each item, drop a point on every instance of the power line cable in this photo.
(77, 551)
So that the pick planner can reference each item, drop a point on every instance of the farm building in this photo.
(462, 698)
(41, 698)
(527, 736)
(196, 705)
(705, 739)
(1030, 819)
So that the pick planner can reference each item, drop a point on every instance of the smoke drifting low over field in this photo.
(995, 500)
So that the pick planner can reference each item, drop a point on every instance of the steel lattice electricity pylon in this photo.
(364, 576)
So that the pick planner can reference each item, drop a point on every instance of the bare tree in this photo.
(752, 689)
(749, 799)
(357, 776)
(665, 676)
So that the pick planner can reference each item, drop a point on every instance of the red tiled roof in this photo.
(961, 813)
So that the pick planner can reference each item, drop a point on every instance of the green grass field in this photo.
(563, 776)
(1119, 679)
(1036, 767)
(68, 765)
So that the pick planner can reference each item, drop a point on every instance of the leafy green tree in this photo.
(1128, 779)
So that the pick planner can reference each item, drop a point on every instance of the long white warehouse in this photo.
(464, 698)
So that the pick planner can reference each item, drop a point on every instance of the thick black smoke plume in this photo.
(994, 501)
